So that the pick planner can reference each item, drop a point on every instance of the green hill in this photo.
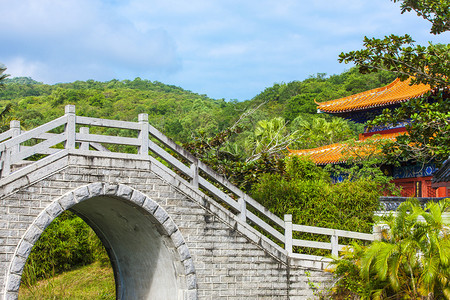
(178, 113)
(175, 111)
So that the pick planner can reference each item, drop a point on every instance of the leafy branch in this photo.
(435, 11)
(398, 54)
(2, 76)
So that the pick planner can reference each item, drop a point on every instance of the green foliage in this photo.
(428, 130)
(300, 168)
(296, 98)
(283, 196)
(349, 284)
(5, 117)
(66, 243)
(172, 110)
(412, 261)
(270, 137)
(182, 115)
(435, 11)
(93, 281)
(428, 117)
(300, 104)
(2, 76)
(22, 80)
(317, 131)
(399, 55)
(305, 191)
(215, 152)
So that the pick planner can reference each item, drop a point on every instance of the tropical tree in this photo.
(435, 11)
(270, 137)
(428, 136)
(414, 256)
(2, 76)
(5, 113)
(429, 127)
(363, 159)
(412, 261)
(317, 131)
(5, 117)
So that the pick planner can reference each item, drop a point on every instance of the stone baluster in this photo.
(9, 153)
(84, 145)
(243, 205)
(14, 126)
(194, 170)
(377, 234)
(335, 244)
(288, 233)
(70, 126)
(143, 134)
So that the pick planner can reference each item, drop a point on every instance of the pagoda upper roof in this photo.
(393, 93)
(334, 153)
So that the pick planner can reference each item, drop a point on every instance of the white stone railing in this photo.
(15, 152)
(334, 234)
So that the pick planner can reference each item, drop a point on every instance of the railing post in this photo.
(14, 126)
(288, 233)
(243, 205)
(377, 233)
(143, 134)
(335, 244)
(84, 145)
(70, 127)
(8, 154)
(194, 169)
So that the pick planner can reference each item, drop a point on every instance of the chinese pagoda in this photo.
(414, 180)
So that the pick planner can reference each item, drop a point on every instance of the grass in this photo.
(93, 281)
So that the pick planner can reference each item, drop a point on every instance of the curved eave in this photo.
(391, 94)
(329, 154)
(370, 106)
(332, 154)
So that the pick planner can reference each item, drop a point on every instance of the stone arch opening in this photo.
(147, 251)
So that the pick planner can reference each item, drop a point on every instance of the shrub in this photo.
(412, 261)
(306, 192)
(66, 243)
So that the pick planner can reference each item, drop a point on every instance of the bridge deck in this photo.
(55, 138)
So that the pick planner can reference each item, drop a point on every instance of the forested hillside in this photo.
(186, 116)
(171, 109)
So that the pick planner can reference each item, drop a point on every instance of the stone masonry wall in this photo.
(232, 260)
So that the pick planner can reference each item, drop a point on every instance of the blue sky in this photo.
(226, 49)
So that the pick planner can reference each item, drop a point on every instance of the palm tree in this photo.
(413, 259)
(2, 76)
(5, 113)
(319, 132)
(5, 118)
(270, 137)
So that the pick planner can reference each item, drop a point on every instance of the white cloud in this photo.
(231, 49)
(83, 35)
(20, 67)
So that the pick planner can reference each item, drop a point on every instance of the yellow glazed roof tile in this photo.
(395, 92)
(332, 154)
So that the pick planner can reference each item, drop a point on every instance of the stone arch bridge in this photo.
(172, 227)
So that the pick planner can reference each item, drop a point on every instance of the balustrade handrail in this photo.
(335, 234)
(247, 209)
